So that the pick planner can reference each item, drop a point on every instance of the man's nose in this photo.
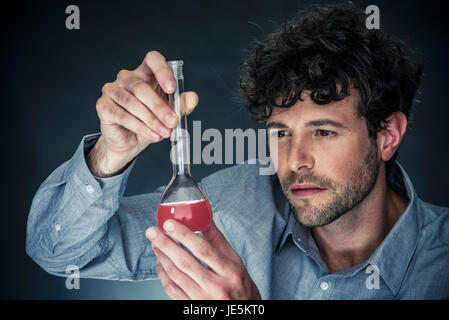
(300, 156)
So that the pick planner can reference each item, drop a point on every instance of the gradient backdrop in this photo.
(52, 77)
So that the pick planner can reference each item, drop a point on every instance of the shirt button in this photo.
(89, 188)
(57, 226)
(324, 285)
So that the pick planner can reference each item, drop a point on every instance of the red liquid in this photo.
(196, 215)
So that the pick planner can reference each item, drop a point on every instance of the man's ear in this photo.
(389, 138)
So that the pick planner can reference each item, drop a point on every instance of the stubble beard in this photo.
(309, 213)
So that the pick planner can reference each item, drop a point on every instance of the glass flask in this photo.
(182, 200)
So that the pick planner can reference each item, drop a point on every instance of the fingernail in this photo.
(170, 86)
(169, 225)
(151, 233)
(155, 136)
(170, 119)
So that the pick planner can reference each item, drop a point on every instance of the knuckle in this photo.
(173, 272)
(106, 87)
(236, 280)
(145, 77)
(105, 112)
(181, 230)
(204, 251)
(102, 108)
(235, 276)
(124, 98)
(159, 105)
(161, 110)
(160, 240)
(138, 87)
(238, 262)
(122, 74)
(170, 270)
(150, 121)
(184, 264)
(120, 117)
(99, 105)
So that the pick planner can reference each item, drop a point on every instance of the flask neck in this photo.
(180, 138)
(180, 149)
(181, 170)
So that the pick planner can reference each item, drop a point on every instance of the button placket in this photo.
(324, 287)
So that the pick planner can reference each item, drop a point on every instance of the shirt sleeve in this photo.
(77, 220)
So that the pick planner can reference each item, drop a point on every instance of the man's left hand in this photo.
(184, 277)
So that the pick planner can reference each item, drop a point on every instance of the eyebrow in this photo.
(276, 125)
(314, 123)
(326, 122)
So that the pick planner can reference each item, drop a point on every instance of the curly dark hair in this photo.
(326, 50)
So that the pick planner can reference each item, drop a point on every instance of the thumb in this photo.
(189, 101)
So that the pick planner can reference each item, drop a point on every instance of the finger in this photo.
(199, 246)
(144, 93)
(129, 102)
(171, 288)
(179, 278)
(214, 236)
(190, 101)
(182, 259)
(155, 65)
(111, 113)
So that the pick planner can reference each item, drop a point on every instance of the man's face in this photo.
(326, 146)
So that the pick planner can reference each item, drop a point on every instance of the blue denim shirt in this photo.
(78, 219)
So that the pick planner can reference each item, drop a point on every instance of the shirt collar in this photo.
(300, 231)
(393, 255)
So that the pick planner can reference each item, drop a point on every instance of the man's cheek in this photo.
(277, 154)
(335, 165)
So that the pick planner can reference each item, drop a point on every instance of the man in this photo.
(339, 220)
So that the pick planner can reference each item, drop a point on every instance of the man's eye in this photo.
(281, 133)
(325, 133)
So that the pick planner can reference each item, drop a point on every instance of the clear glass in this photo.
(183, 199)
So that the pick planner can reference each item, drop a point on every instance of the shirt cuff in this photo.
(83, 189)
(82, 177)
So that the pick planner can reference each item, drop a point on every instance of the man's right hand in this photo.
(134, 113)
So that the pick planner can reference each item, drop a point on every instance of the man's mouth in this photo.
(305, 189)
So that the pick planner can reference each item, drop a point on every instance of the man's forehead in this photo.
(345, 110)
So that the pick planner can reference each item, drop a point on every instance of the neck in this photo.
(352, 238)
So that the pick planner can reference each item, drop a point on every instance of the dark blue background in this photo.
(52, 77)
